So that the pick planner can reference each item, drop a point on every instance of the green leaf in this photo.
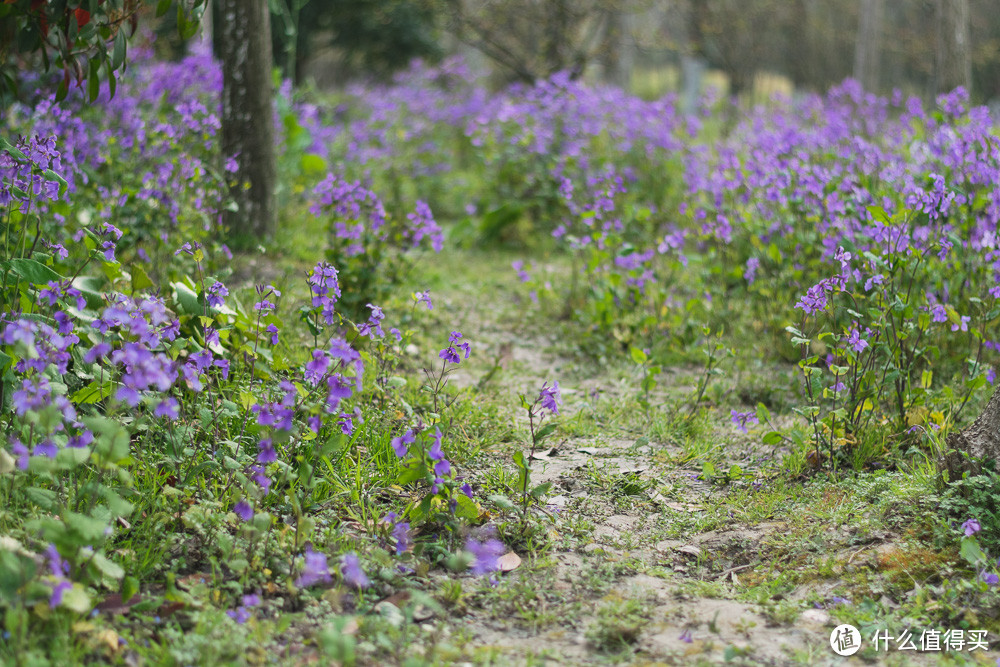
(140, 279)
(187, 299)
(76, 599)
(89, 529)
(161, 7)
(638, 356)
(466, 508)
(313, 164)
(541, 490)
(772, 438)
(520, 461)
(44, 498)
(90, 288)
(503, 502)
(414, 472)
(971, 551)
(130, 586)
(5, 360)
(107, 568)
(34, 272)
(118, 51)
(94, 80)
(92, 393)
(545, 431)
(14, 152)
(763, 414)
(53, 176)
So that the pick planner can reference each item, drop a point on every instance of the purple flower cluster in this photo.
(450, 354)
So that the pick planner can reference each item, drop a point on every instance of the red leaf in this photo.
(82, 17)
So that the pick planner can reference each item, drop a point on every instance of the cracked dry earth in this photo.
(646, 563)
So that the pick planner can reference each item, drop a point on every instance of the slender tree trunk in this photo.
(247, 117)
(953, 62)
(205, 31)
(868, 48)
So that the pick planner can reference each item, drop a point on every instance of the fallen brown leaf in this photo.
(509, 561)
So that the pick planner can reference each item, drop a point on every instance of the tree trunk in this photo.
(980, 442)
(247, 118)
(868, 48)
(953, 62)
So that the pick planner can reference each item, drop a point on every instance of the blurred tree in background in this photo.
(370, 38)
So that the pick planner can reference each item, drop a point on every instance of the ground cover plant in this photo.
(550, 372)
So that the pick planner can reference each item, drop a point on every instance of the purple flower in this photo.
(742, 419)
(46, 448)
(989, 578)
(686, 636)
(57, 592)
(243, 510)
(241, 614)
(59, 569)
(266, 453)
(216, 295)
(550, 397)
(435, 453)
(168, 408)
(486, 555)
(450, 354)
(18, 449)
(374, 323)
(399, 444)
(854, 339)
(315, 569)
(401, 533)
(350, 570)
(424, 297)
(971, 527)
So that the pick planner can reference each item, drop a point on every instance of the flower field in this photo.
(549, 372)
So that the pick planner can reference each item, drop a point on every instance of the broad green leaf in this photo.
(44, 498)
(187, 299)
(502, 502)
(88, 528)
(92, 393)
(76, 599)
(541, 490)
(971, 551)
(466, 508)
(34, 272)
(107, 568)
(140, 279)
(638, 356)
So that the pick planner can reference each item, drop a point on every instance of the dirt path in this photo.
(648, 560)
